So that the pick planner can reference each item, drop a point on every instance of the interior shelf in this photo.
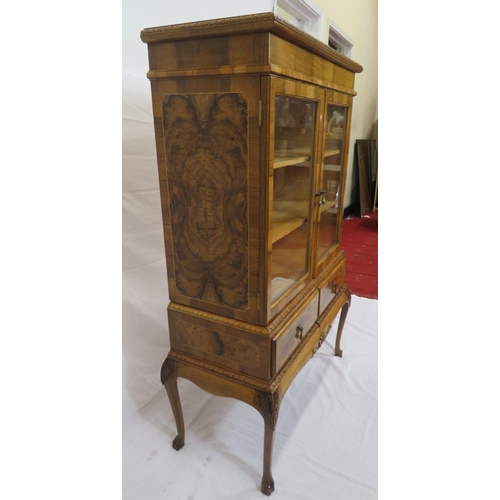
(288, 216)
(299, 160)
(331, 152)
(326, 206)
(285, 161)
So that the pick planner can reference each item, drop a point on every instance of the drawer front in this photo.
(220, 343)
(330, 288)
(294, 332)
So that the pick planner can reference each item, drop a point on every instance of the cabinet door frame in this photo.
(279, 86)
(341, 100)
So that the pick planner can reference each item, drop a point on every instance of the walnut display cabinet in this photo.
(252, 120)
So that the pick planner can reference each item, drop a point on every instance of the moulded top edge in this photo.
(253, 23)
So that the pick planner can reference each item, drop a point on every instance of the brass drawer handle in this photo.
(299, 332)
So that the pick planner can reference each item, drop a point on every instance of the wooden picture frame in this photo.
(363, 156)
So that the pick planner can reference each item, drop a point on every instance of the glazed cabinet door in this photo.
(332, 171)
(208, 146)
(295, 110)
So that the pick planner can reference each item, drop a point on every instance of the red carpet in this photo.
(360, 243)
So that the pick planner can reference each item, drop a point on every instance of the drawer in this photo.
(293, 332)
(231, 344)
(330, 287)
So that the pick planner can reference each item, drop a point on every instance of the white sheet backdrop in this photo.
(326, 438)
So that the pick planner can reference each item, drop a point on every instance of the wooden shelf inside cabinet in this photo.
(326, 206)
(288, 216)
(299, 161)
(285, 161)
(331, 152)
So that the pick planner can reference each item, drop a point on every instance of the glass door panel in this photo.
(292, 184)
(331, 176)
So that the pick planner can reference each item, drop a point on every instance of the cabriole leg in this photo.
(343, 316)
(169, 380)
(268, 406)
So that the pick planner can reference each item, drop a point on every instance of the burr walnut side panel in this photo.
(206, 149)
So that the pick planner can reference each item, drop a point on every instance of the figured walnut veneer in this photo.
(206, 152)
(218, 344)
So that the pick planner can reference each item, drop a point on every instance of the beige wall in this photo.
(359, 19)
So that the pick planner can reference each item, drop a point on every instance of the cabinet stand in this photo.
(265, 397)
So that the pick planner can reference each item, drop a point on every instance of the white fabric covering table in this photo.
(326, 436)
